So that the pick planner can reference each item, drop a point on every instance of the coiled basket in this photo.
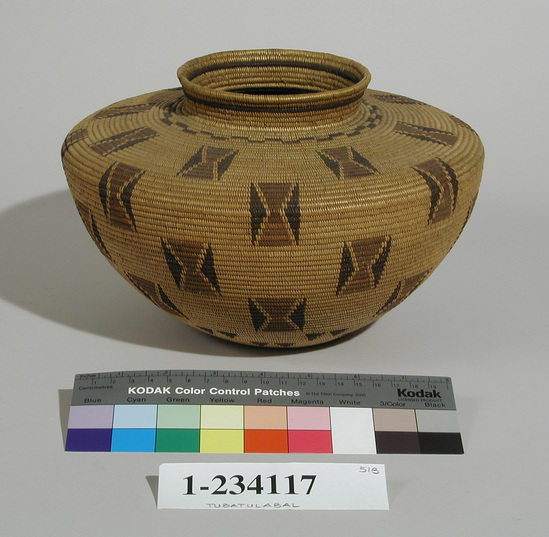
(273, 199)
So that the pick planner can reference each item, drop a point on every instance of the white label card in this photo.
(272, 486)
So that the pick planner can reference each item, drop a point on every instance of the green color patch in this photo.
(177, 440)
(178, 417)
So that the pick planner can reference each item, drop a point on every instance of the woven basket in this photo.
(273, 200)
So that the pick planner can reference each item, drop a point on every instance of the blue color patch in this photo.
(88, 440)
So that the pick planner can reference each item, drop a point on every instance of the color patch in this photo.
(397, 442)
(133, 440)
(265, 441)
(352, 430)
(309, 441)
(88, 440)
(177, 440)
(178, 417)
(438, 432)
(222, 417)
(91, 417)
(265, 417)
(396, 430)
(309, 418)
(437, 421)
(221, 441)
(134, 417)
(399, 419)
(440, 443)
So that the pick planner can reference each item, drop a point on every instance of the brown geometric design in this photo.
(230, 335)
(277, 314)
(192, 266)
(331, 334)
(371, 122)
(169, 115)
(89, 222)
(314, 335)
(442, 182)
(208, 163)
(428, 134)
(115, 190)
(396, 99)
(402, 290)
(155, 294)
(122, 110)
(374, 117)
(258, 343)
(123, 140)
(338, 332)
(275, 214)
(346, 163)
(73, 138)
(362, 264)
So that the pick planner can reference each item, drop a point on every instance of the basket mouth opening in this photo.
(270, 78)
(272, 90)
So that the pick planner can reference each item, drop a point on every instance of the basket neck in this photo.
(273, 87)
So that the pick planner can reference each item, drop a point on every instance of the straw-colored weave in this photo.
(273, 200)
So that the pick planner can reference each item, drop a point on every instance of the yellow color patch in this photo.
(222, 417)
(221, 441)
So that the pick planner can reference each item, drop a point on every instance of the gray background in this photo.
(481, 318)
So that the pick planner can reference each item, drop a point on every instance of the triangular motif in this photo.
(346, 163)
(208, 163)
(275, 214)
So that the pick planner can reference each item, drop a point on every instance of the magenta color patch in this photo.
(308, 418)
(309, 442)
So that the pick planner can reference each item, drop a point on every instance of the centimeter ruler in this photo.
(263, 388)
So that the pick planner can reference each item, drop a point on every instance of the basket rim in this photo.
(353, 75)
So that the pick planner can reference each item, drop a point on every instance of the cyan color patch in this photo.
(134, 416)
(133, 440)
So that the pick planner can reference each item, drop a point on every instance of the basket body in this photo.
(273, 200)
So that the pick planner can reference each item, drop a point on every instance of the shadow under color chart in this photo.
(239, 412)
